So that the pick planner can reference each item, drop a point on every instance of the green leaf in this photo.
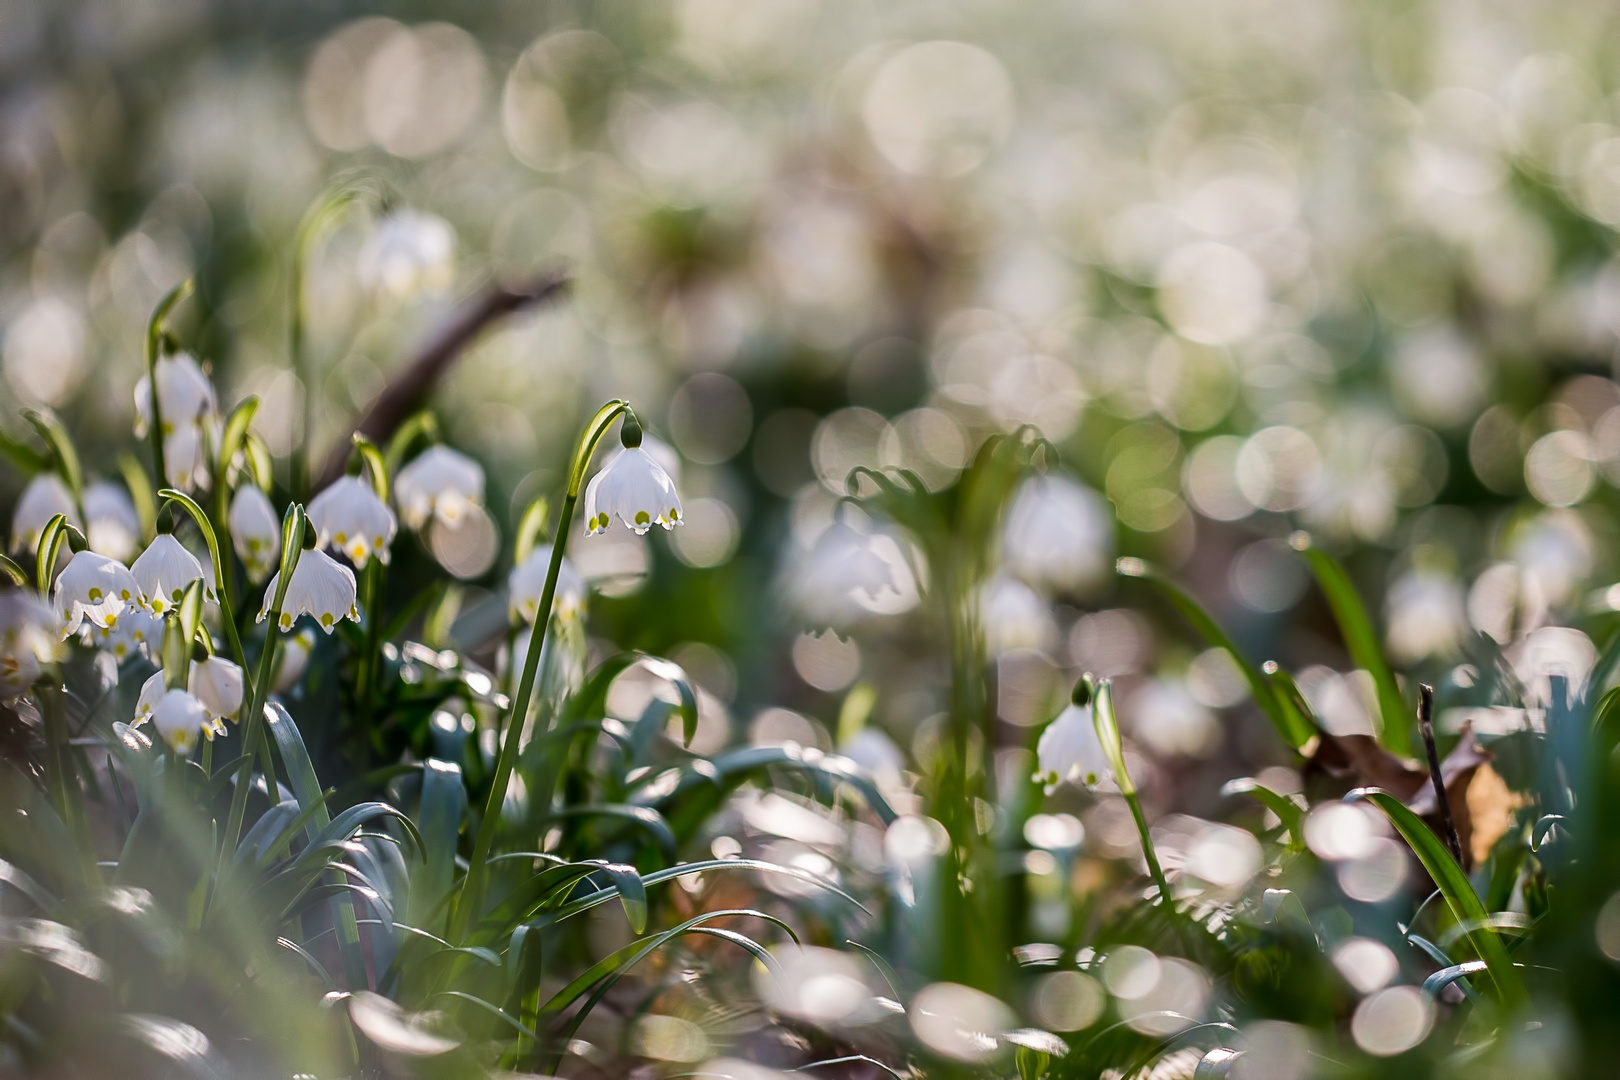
(260, 463)
(1366, 652)
(235, 431)
(421, 425)
(444, 804)
(632, 894)
(17, 574)
(1448, 975)
(51, 538)
(1458, 892)
(658, 877)
(1293, 730)
(63, 454)
(140, 493)
(375, 466)
(27, 458)
(1286, 809)
(531, 530)
(1107, 725)
(645, 816)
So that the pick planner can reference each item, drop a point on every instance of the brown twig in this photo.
(406, 391)
(1426, 728)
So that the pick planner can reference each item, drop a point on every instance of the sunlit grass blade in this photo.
(63, 453)
(1458, 892)
(645, 817)
(1294, 730)
(444, 803)
(1393, 720)
(1286, 809)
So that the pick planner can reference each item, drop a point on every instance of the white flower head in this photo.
(255, 531)
(44, 497)
(180, 718)
(185, 396)
(849, 573)
(320, 586)
(440, 483)
(350, 518)
(25, 640)
(410, 253)
(528, 581)
(113, 529)
(163, 573)
(135, 632)
(1059, 534)
(1014, 616)
(217, 683)
(185, 455)
(635, 489)
(93, 588)
(1070, 749)
(293, 660)
(152, 691)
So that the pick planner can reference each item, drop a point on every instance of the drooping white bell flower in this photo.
(849, 573)
(163, 573)
(660, 451)
(293, 660)
(1014, 616)
(25, 640)
(93, 588)
(350, 518)
(320, 586)
(44, 497)
(217, 683)
(185, 455)
(410, 253)
(1059, 535)
(528, 581)
(152, 691)
(113, 529)
(1070, 749)
(135, 632)
(180, 718)
(440, 483)
(255, 531)
(634, 488)
(185, 396)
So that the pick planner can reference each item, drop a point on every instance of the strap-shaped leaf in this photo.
(51, 538)
(1293, 730)
(376, 468)
(261, 465)
(1448, 975)
(64, 456)
(420, 425)
(1286, 809)
(1393, 728)
(26, 457)
(1458, 892)
(9, 567)
(443, 805)
(644, 816)
(235, 431)
(531, 530)
(140, 493)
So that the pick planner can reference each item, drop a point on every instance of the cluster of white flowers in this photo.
(189, 422)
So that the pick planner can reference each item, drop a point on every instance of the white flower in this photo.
(114, 528)
(217, 683)
(410, 253)
(320, 586)
(635, 489)
(93, 587)
(349, 517)
(255, 531)
(528, 581)
(1069, 749)
(848, 574)
(293, 660)
(1014, 616)
(660, 451)
(152, 691)
(1059, 534)
(185, 397)
(44, 497)
(164, 572)
(24, 640)
(185, 455)
(179, 717)
(440, 483)
(135, 632)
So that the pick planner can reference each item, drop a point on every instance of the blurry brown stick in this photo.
(405, 392)
(1426, 729)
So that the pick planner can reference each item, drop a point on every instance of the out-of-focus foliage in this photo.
(1309, 310)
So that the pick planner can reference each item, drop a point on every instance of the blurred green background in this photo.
(1252, 266)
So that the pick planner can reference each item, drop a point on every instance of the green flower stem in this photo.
(253, 740)
(371, 656)
(1135, 803)
(227, 613)
(1107, 725)
(154, 337)
(471, 899)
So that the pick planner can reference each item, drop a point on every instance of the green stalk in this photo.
(227, 613)
(292, 548)
(1107, 724)
(471, 898)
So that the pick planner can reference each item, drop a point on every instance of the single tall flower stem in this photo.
(154, 338)
(227, 613)
(471, 899)
(1154, 869)
(370, 658)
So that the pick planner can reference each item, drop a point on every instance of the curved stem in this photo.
(154, 336)
(471, 898)
(227, 613)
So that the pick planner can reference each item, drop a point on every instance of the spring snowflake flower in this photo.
(93, 588)
(349, 517)
(320, 586)
(217, 683)
(135, 632)
(849, 573)
(255, 531)
(410, 253)
(634, 488)
(180, 718)
(293, 660)
(25, 640)
(1059, 535)
(1070, 749)
(164, 572)
(113, 528)
(185, 396)
(152, 691)
(44, 497)
(528, 581)
(441, 483)
(185, 455)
